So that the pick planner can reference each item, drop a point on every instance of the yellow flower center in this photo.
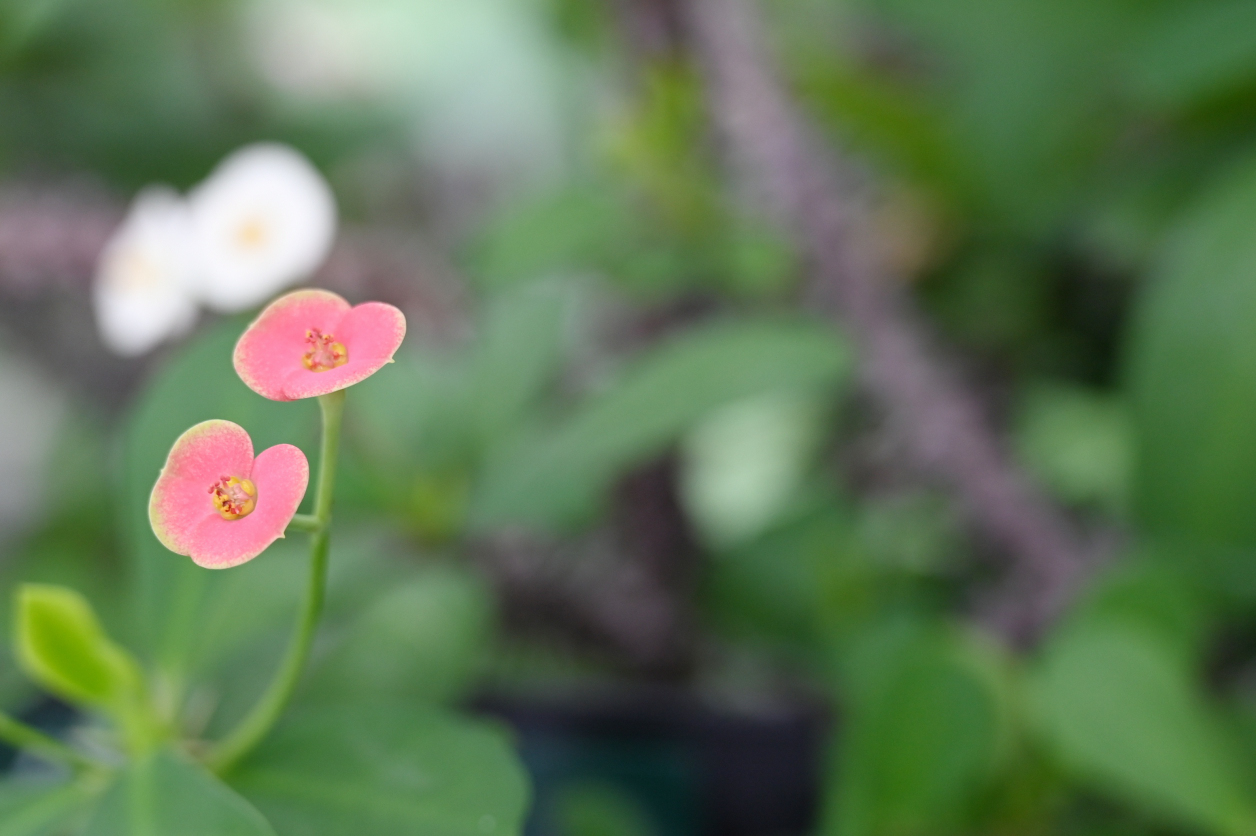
(233, 498)
(323, 353)
(252, 234)
(132, 269)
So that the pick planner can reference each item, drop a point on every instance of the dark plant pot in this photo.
(690, 768)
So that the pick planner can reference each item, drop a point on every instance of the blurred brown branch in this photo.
(777, 153)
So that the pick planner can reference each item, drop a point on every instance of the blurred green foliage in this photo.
(1067, 184)
(386, 771)
(601, 810)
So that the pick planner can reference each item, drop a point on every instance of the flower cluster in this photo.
(264, 219)
(215, 501)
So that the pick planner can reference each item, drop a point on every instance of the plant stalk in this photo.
(22, 736)
(304, 524)
(259, 721)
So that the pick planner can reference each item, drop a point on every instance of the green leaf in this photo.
(61, 646)
(374, 771)
(173, 594)
(1194, 53)
(1158, 596)
(245, 626)
(599, 809)
(418, 419)
(882, 117)
(559, 477)
(422, 639)
(518, 353)
(924, 736)
(31, 807)
(1122, 713)
(777, 586)
(559, 232)
(420, 431)
(1021, 115)
(1193, 373)
(168, 795)
(1078, 443)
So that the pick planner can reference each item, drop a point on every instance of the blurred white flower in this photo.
(263, 219)
(142, 292)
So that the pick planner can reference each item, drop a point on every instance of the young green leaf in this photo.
(61, 646)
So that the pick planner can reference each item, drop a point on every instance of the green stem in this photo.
(257, 724)
(22, 736)
(304, 523)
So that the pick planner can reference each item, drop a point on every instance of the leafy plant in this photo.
(362, 766)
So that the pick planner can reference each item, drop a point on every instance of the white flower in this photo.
(264, 219)
(142, 291)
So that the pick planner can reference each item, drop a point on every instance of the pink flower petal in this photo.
(275, 343)
(198, 459)
(281, 474)
(270, 355)
(182, 510)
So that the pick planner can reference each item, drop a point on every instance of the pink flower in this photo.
(217, 504)
(310, 342)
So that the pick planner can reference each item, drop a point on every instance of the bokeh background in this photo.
(817, 415)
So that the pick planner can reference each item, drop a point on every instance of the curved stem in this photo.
(304, 523)
(258, 722)
(22, 736)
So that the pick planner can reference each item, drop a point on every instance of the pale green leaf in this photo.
(560, 477)
(742, 466)
(60, 645)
